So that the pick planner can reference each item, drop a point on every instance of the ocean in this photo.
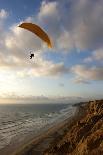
(19, 121)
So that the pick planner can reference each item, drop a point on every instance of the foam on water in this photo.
(19, 121)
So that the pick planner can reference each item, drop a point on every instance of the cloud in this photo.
(87, 24)
(48, 9)
(48, 16)
(84, 73)
(71, 24)
(18, 42)
(96, 55)
(13, 98)
(78, 22)
(44, 68)
(79, 80)
(63, 40)
(81, 27)
(17, 48)
(88, 59)
(3, 14)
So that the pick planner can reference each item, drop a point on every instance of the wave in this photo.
(11, 127)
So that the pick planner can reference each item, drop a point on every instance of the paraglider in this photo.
(38, 31)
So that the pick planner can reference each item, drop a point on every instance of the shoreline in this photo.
(40, 143)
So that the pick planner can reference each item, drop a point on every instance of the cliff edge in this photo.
(85, 137)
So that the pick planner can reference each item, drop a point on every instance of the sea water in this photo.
(21, 120)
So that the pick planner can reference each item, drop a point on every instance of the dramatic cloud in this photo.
(17, 48)
(78, 22)
(71, 24)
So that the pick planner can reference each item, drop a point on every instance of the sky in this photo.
(71, 71)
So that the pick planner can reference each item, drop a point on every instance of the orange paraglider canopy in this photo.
(38, 31)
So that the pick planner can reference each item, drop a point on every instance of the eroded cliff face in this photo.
(85, 137)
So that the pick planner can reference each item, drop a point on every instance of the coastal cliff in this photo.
(85, 137)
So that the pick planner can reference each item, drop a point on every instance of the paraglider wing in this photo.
(38, 31)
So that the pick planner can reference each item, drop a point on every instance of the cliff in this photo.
(85, 137)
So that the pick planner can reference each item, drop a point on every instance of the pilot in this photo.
(31, 55)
